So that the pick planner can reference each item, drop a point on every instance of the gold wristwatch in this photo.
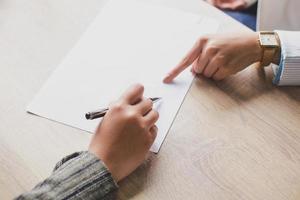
(270, 44)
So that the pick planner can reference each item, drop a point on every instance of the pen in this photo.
(101, 112)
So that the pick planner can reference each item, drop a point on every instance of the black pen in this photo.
(101, 113)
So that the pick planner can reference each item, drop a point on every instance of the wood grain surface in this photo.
(235, 139)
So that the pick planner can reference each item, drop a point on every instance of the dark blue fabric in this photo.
(246, 17)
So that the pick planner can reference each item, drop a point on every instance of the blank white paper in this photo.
(128, 42)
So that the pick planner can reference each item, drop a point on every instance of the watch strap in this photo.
(268, 56)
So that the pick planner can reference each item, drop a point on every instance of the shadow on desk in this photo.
(250, 84)
(291, 91)
(137, 181)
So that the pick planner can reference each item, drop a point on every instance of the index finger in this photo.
(192, 55)
(133, 94)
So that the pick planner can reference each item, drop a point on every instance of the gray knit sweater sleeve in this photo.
(78, 176)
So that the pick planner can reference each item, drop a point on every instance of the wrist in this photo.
(257, 52)
(108, 164)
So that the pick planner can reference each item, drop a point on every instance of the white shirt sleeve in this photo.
(288, 71)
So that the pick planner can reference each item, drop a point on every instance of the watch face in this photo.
(268, 40)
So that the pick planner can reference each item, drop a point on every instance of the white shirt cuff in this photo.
(288, 71)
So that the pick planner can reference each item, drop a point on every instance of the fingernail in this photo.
(166, 79)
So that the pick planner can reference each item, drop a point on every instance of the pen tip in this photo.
(156, 99)
(87, 116)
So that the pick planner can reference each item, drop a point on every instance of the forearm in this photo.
(78, 176)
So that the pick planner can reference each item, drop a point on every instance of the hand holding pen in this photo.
(126, 134)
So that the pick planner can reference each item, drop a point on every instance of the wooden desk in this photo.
(236, 139)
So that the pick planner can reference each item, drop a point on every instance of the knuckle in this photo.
(132, 117)
(222, 60)
(143, 125)
(211, 49)
(197, 69)
(156, 114)
(117, 107)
